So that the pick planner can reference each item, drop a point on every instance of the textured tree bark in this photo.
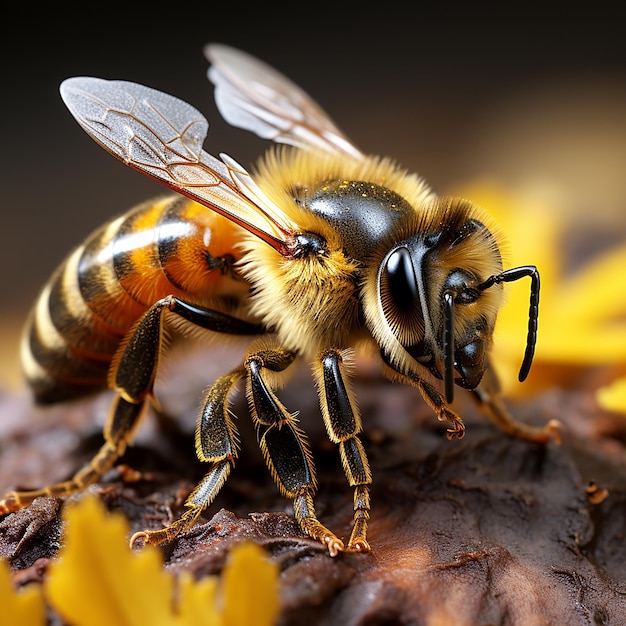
(487, 530)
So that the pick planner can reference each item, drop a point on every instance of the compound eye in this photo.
(400, 295)
(401, 280)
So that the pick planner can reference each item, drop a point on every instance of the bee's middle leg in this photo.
(498, 412)
(284, 446)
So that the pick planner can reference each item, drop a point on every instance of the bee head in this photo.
(439, 292)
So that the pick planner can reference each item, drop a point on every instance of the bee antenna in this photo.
(448, 345)
(533, 311)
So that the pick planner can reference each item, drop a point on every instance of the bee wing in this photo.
(254, 96)
(162, 137)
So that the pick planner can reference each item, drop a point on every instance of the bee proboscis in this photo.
(319, 251)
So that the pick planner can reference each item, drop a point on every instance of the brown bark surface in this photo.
(487, 530)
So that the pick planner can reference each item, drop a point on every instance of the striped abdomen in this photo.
(172, 246)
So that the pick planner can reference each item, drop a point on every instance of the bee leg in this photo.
(433, 399)
(343, 424)
(284, 446)
(436, 402)
(133, 381)
(132, 376)
(216, 443)
(488, 398)
(121, 422)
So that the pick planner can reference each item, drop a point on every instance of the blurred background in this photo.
(531, 97)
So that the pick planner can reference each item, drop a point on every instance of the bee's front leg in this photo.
(284, 445)
(436, 402)
(343, 424)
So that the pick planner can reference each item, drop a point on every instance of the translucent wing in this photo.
(252, 95)
(162, 137)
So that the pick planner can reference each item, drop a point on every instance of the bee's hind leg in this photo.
(132, 376)
(122, 420)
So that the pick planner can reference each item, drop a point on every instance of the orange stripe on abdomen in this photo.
(172, 246)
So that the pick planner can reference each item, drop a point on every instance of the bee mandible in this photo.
(317, 252)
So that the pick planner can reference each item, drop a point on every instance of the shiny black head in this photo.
(438, 292)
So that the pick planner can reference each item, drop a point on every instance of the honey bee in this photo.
(319, 252)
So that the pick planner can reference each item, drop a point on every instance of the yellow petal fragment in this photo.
(250, 587)
(596, 290)
(613, 396)
(98, 581)
(197, 601)
(24, 606)
(585, 316)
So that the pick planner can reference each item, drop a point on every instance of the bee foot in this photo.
(457, 431)
(333, 544)
(9, 504)
(553, 430)
(142, 537)
(360, 545)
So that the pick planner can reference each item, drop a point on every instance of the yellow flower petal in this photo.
(98, 581)
(613, 396)
(197, 601)
(24, 606)
(596, 290)
(250, 587)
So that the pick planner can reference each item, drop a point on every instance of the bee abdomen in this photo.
(172, 246)
(79, 320)
(65, 351)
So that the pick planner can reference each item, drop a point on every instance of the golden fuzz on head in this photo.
(480, 254)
